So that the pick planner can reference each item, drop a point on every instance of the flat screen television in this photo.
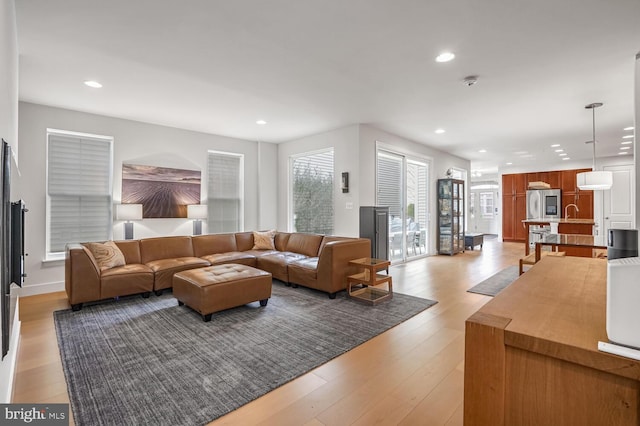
(16, 249)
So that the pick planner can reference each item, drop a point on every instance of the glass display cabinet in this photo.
(450, 216)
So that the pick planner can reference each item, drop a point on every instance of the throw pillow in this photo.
(107, 255)
(264, 240)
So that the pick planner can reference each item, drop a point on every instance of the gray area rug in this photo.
(496, 283)
(149, 361)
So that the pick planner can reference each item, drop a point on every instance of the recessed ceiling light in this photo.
(625, 147)
(623, 153)
(482, 150)
(626, 142)
(628, 128)
(566, 158)
(627, 136)
(555, 145)
(564, 154)
(445, 57)
(559, 150)
(508, 164)
(261, 122)
(440, 131)
(93, 84)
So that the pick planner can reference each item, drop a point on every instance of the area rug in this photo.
(496, 283)
(150, 361)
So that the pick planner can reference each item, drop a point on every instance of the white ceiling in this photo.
(316, 65)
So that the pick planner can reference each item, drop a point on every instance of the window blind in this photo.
(312, 192)
(78, 189)
(225, 192)
(389, 182)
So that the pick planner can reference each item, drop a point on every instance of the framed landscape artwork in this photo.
(163, 192)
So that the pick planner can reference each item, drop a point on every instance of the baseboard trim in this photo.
(31, 290)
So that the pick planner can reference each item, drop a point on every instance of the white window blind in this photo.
(225, 192)
(79, 179)
(389, 182)
(312, 192)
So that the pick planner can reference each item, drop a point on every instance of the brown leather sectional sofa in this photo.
(315, 261)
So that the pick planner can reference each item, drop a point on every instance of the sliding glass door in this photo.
(403, 185)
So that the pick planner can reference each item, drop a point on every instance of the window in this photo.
(472, 204)
(225, 192)
(486, 204)
(79, 182)
(312, 192)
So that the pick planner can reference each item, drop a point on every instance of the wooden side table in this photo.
(368, 281)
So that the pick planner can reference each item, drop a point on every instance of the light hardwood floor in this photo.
(409, 375)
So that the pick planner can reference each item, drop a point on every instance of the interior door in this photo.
(620, 199)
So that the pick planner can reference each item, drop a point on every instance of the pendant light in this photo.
(594, 180)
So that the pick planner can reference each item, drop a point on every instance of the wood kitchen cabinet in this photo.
(514, 207)
(552, 178)
(514, 199)
(571, 194)
(514, 184)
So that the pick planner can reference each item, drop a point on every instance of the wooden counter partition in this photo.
(531, 353)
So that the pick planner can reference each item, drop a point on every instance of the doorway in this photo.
(483, 216)
(402, 184)
(618, 202)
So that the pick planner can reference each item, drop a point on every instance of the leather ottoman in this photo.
(215, 288)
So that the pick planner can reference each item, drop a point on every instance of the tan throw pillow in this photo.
(264, 240)
(107, 255)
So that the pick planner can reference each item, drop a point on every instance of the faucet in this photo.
(566, 215)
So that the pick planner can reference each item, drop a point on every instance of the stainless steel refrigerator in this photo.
(544, 204)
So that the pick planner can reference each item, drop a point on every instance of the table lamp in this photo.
(128, 212)
(197, 212)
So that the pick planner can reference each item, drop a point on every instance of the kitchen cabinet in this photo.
(552, 178)
(514, 184)
(514, 207)
(571, 194)
(514, 199)
(521, 214)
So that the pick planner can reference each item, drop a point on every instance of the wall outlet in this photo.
(349, 206)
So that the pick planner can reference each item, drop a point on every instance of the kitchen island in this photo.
(531, 353)
(565, 226)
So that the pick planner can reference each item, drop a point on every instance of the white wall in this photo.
(268, 186)
(440, 161)
(9, 132)
(137, 143)
(344, 141)
(635, 144)
(9, 75)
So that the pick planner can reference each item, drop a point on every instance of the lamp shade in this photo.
(197, 211)
(129, 211)
(595, 180)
